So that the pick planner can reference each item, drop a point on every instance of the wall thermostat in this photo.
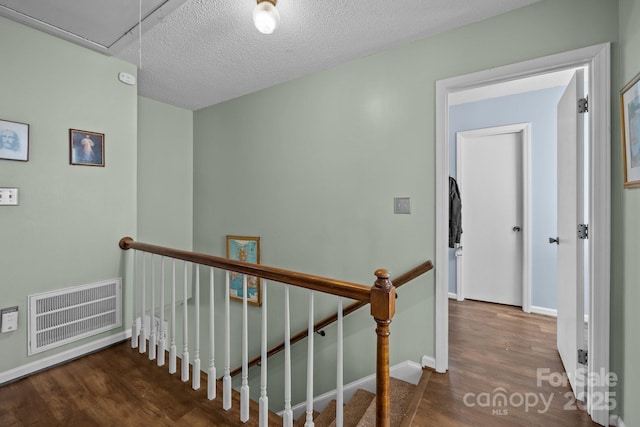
(127, 78)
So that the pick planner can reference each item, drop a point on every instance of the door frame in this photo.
(597, 59)
(525, 130)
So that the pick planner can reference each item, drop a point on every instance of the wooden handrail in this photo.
(399, 281)
(307, 281)
(381, 297)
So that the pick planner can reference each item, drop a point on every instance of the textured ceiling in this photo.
(208, 51)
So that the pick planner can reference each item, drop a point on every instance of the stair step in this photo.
(327, 416)
(360, 411)
(355, 408)
(402, 393)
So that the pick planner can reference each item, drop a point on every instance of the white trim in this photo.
(600, 220)
(615, 420)
(598, 59)
(524, 129)
(65, 356)
(544, 311)
(428, 362)
(452, 295)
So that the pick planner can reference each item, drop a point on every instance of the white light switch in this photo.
(9, 319)
(9, 196)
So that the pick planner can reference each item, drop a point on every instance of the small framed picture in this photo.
(86, 148)
(245, 249)
(630, 114)
(14, 141)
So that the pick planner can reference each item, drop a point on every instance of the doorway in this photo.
(493, 177)
(597, 61)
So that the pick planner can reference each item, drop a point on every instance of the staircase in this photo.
(391, 406)
(360, 411)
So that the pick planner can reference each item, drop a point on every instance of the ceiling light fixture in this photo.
(266, 17)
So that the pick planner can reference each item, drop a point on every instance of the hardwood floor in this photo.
(494, 350)
(114, 387)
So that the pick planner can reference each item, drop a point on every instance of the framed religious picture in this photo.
(630, 114)
(14, 141)
(245, 249)
(86, 148)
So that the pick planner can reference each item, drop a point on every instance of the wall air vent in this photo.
(63, 316)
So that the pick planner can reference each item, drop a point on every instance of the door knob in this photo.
(516, 228)
(556, 240)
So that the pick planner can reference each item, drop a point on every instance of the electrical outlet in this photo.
(9, 319)
(9, 196)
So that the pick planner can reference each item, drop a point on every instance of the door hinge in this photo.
(583, 231)
(583, 357)
(583, 105)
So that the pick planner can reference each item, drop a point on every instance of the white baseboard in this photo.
(453, 295)
(408, 371)
(545, 311)
(551, 312)
(428, 362)
(615, 420)
(65, 356)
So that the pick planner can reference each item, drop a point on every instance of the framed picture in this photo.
(14, 141)
(86, 148)
(245, 249)
(630, 113)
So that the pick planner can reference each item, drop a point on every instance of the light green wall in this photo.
(165, 174)
(626, 238)
(312, 165)
(66, 228)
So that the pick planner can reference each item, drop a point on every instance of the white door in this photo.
(571, 213)
(490, 177)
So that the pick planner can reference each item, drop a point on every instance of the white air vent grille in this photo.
(60, 317)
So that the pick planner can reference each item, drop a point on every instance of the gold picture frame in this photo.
(630, 116)
(245, 249)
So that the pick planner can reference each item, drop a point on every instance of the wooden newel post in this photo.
(383, 306)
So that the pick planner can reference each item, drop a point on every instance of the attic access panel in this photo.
(96, 24)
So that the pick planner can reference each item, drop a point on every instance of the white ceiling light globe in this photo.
(266, 17)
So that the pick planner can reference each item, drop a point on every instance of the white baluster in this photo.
(142, 347)
(339, 379)
(135, 333)
(172, 347)
(162, 335)
(152, 314)
(195, 384)
(310, 333)
(244, 389)
(185, 330)
(226, 380)
(287, 416)
(263, 417)
(211, 379)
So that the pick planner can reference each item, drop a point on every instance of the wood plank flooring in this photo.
(496, 350)
(493, 349)
(115, 387)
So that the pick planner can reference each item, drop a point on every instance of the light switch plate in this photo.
(401, 205)
(9, 196)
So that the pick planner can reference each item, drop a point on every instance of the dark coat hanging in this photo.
(455, 213)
